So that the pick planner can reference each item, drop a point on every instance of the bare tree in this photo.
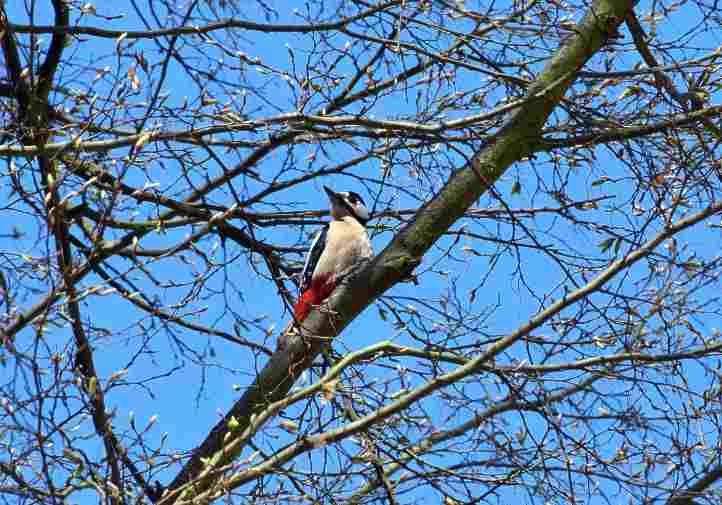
(545, 181)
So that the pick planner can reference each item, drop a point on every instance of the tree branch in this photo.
(517, 139)
(696, 490)
(12, 64)
(211, 27)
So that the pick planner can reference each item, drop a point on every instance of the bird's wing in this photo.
(312, 256)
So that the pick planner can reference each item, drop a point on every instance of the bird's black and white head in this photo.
(347, 203)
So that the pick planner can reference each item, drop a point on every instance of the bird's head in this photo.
(347, 203)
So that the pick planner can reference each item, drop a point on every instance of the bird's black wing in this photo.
(312, 256)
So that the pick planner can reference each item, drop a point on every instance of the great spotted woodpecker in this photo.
(338, 246)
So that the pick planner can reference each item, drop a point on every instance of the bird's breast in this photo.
(347, 244)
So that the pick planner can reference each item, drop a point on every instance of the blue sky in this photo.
(191, 400)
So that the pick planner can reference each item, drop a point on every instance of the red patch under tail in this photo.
(317, 292)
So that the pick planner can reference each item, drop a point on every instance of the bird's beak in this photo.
(339, 207)
(332, 195)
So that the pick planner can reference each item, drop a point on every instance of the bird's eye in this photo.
(354, 199)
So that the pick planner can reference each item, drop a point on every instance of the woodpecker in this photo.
(338, 246)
